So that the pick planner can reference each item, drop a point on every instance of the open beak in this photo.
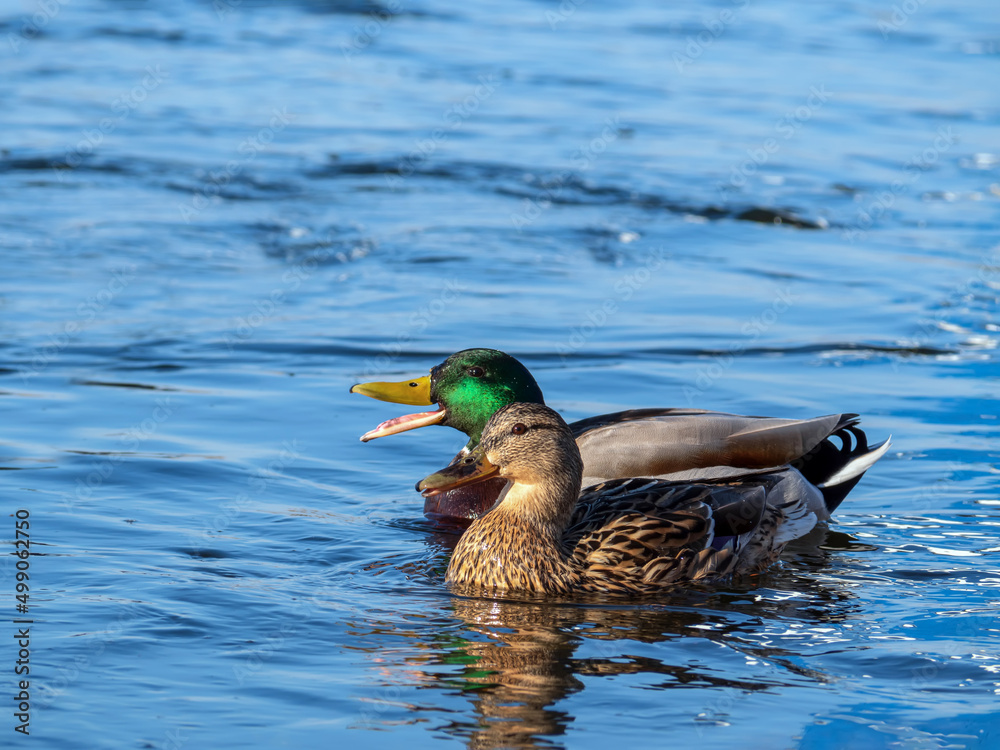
(404, 423)
(472, 469)
(416, 392)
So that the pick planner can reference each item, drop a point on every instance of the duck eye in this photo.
(518, 429)
(476, 372)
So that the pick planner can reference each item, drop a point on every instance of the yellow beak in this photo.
(416, 392)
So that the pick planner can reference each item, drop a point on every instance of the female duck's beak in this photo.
(472, 469)
(416, 392)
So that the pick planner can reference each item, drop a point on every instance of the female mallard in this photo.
(635, 536)
(674, 444)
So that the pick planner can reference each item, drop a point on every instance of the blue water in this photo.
(216, 217)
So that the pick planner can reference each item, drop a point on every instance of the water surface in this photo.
(216, 217)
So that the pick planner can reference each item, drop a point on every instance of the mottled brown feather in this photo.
(624, 537)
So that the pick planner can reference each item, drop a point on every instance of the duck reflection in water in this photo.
(516, 659)
(521, 657)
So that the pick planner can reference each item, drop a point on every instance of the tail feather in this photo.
(836, 470)
(858, 465)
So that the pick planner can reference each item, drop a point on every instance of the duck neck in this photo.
(546, 507)
(518, 544)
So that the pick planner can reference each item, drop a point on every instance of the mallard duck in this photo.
(674, 444)
(632, 536)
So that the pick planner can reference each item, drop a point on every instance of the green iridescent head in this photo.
(473, 384)
(469, 387)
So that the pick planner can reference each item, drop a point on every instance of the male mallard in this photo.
(675, 444)
(633, 536)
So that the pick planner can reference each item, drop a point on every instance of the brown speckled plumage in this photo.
(626, 536)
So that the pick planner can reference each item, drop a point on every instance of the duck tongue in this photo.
(404, 423)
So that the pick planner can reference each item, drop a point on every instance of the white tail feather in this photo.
(859, 465)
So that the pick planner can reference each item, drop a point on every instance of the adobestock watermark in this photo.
(913, 169)
(31, 26)
(418, 322)
(87, 313)
(214, 182)
(454, 118)
(363, 35)
(134, 437)
(708, 374)
(265, 308)
(987, 275)
(173, 740)
(714, 28)
(785, 128)
(957, 645)
(933, 496)
(223, 8)
(258, 481)
(624, 288)
(900, 16)
(121, 107)
(389, 696)
(581, 160)
(566, 9)
(261, 653)
(68, 671)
